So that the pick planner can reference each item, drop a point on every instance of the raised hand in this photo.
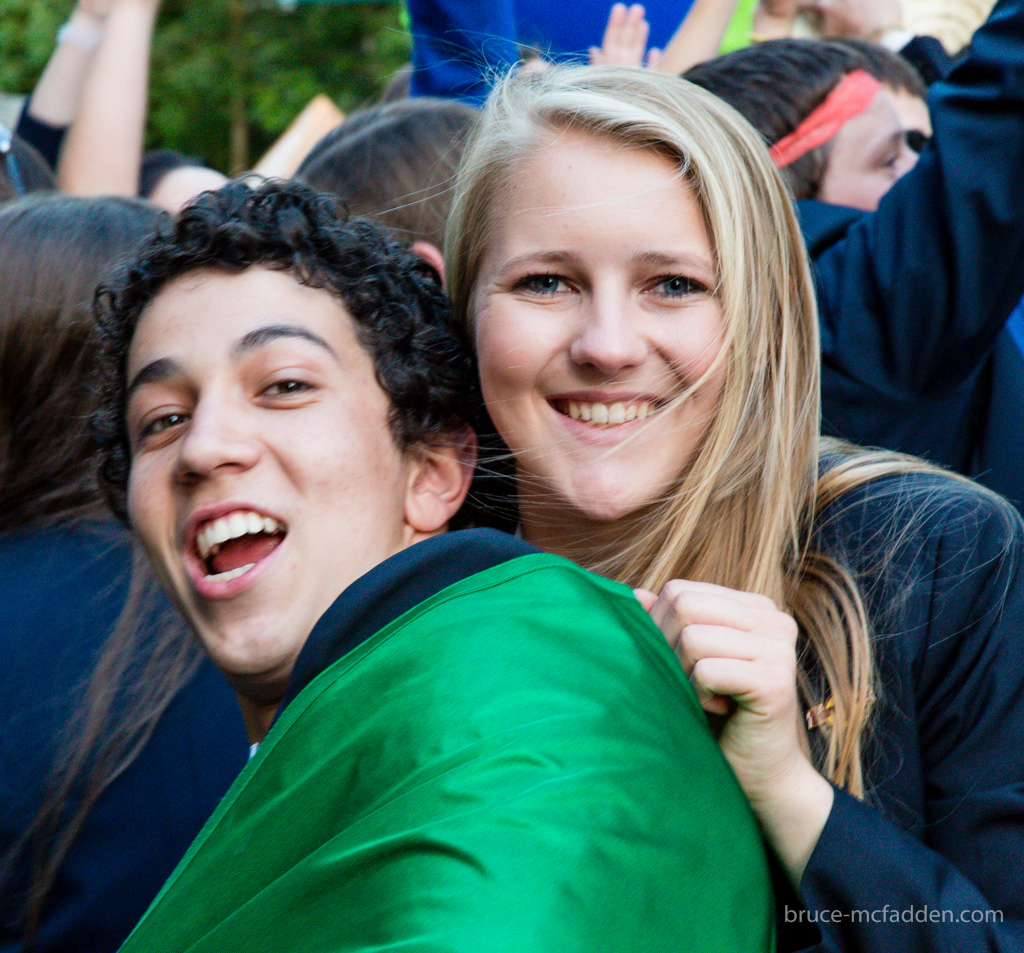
(94, 9)
(625, 39)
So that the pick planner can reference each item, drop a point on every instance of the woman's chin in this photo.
(606, 511)
(604, 508)
(588, 503)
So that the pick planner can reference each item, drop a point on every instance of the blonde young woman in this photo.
(632, 272)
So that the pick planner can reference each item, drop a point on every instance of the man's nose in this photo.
(219, 438)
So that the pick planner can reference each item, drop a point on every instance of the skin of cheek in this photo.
(602, 484)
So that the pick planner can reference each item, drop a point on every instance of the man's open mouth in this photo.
(232, 544)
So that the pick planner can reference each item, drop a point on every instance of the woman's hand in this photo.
(739, 651)
(94, 9)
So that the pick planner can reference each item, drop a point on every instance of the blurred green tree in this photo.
(229, 75)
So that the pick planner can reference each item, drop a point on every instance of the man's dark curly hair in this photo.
(401, 315)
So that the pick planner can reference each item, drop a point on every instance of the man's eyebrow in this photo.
(152, 373)
(165, 367)
(271, 332)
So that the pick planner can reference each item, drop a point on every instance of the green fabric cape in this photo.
(518, 764)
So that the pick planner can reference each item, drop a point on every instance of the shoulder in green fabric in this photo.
(517, 764)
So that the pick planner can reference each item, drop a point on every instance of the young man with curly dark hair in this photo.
(463, 743)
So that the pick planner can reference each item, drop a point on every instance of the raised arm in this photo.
(913, 295)
(54, 101)
(103, 149)
(699, 36)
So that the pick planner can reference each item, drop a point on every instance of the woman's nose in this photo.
(610, 336)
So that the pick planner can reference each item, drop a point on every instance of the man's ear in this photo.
(439, 481)
(431, 254)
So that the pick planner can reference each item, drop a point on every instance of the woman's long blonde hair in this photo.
(743, 514)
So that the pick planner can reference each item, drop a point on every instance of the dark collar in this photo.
(823, 225)
(393, 587)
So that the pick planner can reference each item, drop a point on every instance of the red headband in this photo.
(850, 97)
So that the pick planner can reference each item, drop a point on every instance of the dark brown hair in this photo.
(53, 253)
(888, 67)
(400, 314)
(395, 163)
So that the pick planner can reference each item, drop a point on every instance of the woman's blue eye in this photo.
(678, 285)
(542, 284)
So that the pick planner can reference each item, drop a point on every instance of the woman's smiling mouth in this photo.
(607, 413)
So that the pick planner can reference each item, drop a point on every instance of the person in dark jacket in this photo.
(93, 815)
(915, 296)
(629, 264)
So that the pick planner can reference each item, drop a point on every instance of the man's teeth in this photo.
(214, 534)
(230, 574)
(610, 415)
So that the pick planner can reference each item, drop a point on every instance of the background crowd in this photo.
(898, 132)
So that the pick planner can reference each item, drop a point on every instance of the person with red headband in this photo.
(833, 125)
(868, 148)
(917, 282)
(852, 95)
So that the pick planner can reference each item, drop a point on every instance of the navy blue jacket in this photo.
(933, 861)
(62, 590)
(914, 297)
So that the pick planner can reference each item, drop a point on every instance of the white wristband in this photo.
(83, 35)
(895, 39)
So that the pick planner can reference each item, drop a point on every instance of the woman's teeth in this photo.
(214, 534)
(609, 415)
